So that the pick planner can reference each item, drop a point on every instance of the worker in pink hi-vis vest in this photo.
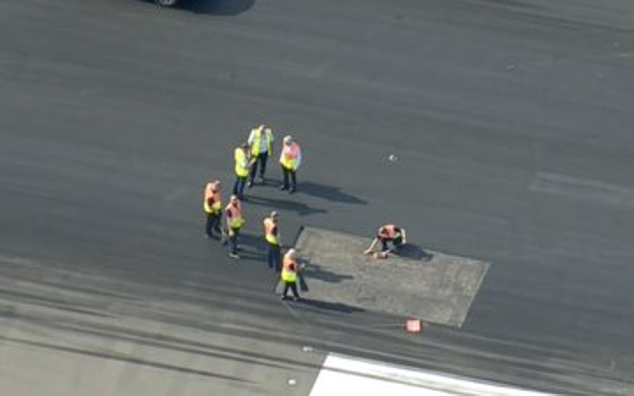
(290, 159)
(391, 239)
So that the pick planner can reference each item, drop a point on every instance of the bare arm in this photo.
(372, 246)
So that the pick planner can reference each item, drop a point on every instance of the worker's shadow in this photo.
(329, 306)
(316, 271)
(284, 205)
(252, 247)
(413, 252)
(330, 193)
(216, 7)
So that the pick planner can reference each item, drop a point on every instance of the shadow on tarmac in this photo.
(250, 247)
(216, 7)
(283, 205)
(315, 271)
(329, 193)
(328, 306)
(413, 252)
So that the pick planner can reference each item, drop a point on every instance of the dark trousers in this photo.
(274, 257)
(261, 158)
(213, 224)
(384, 245)
(396, 243)
(238, 186)
(289, 174)
(292, 286)
(233, 240)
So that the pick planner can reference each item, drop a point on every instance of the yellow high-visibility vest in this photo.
(257, 141)
(242, 163)
(288, 274)
(236, 220)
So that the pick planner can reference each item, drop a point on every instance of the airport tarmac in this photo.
(499, 131)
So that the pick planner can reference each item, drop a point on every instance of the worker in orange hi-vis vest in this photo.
(212, 206)
(235, 221)
(272, 238)
(387, 235)
(290, 270)
(291, 160)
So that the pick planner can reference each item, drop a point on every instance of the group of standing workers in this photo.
(252, 156)
(250, 160)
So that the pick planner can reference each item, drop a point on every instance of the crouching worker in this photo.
(391, 239)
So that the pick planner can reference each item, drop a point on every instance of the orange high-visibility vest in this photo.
(234, 215)
(289, 269)
(269, 234)
(289, 158)
(212, 202)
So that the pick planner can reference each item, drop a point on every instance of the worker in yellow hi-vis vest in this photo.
(261, 145)
(242, 160)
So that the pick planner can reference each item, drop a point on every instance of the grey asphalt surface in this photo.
(431, 286)
(511, 122)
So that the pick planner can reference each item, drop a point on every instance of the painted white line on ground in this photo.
(342, 375)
